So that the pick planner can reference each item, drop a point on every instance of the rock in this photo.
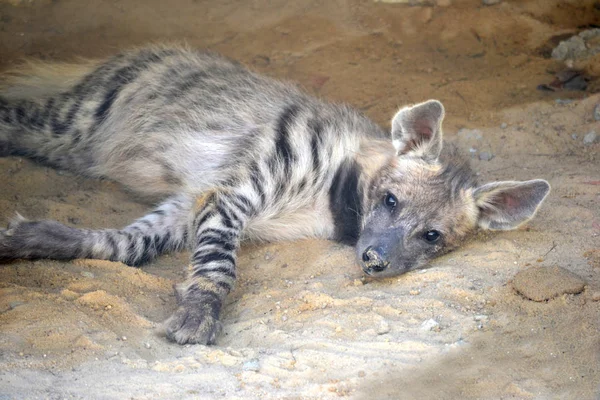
(596, 296)
(545, 283)
(251, 365)
(383, 328)
(563, 102)
(469, 134)
(578, 47)
(429, 325)
(597, 112)
(15, 304)
(590, 138)
(87, 274)
(491, 2)
(485, 156)
(504, 125)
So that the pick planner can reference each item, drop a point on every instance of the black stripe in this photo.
(158, 212)
(225, 286)
(345, 202)
(232, 216)
(243, 204)
(315, 142)
(132, 256)
(223, 270)
(218, 232)
(123, 77)
(161, 243)
(205, 216)
(216, 241)
(214, 256)
(113, 246)
(255, 178)
(283, 147)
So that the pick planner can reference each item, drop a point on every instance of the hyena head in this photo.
(424, 201)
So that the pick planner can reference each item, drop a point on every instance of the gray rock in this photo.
(469, 134)
(563, 102)
(15, 304)
(491, 2)
(597, 112)
(485, 156)
(251, 365)
(590, 138)
(504, 125)
(383, 328)
(578, 47)
(429, 325)
(88, 274)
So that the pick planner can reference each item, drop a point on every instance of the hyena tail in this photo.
(29, 98)
(36, 79)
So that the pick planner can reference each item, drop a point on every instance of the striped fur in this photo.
(232, 156)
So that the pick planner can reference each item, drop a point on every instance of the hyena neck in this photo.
(350, 186)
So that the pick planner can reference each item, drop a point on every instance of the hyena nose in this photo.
(373, 260)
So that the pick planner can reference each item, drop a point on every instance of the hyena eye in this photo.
(390, 201)
(432, 236)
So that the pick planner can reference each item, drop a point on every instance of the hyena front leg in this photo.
(163, 230)
(217, 225)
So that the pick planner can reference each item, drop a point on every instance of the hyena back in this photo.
(233, 155)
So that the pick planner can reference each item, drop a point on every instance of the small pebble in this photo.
(15, 304)
(357, 282)
(124, 338)
(596, 296)
(563, 102)
(414, 292)
(383, 328)
(590, 138)
(87, 274)
(251, 365)
(485, 156)
(429, 325)
(504, 125)
(147, 345)
(597, 112)
(361, 374)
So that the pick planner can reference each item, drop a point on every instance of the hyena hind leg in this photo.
(161, 231)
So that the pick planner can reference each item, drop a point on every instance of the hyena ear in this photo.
(506, 205)
(418, 130)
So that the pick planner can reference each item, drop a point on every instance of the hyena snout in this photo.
(379, 252)
(374, 260)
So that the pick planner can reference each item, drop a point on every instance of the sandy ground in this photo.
(303, 323)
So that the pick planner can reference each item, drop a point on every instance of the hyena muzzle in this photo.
(232, 155)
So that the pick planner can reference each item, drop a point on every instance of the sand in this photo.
(303, 322)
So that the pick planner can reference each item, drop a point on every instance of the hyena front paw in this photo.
(196, 321)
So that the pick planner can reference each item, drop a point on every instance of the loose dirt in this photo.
(303, 322)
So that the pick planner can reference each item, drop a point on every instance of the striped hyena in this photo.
(233, 155)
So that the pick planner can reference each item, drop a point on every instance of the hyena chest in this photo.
(311, 219)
